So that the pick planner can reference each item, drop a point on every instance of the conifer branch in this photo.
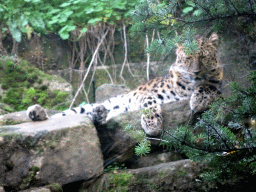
(234, 7)
(224, 141)
(251, 6)
(206, 10)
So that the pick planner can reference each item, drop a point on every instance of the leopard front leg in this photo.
(151, 118)
(203, 96)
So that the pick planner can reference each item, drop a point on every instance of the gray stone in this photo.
(107, 91)
(182, 175)
(60, 151)
(40, 189)
(117, 145)
(20, 117)
(1, 189)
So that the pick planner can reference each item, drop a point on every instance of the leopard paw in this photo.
(99, 114)
(37, 113)
(152, 125)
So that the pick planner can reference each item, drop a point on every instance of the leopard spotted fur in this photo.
(196, 77)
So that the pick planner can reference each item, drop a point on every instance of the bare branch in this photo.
(148, 58)
(125, 52)
(86, 95)
(93, 57)
(106, 71)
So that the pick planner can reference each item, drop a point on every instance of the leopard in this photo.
(196, 77)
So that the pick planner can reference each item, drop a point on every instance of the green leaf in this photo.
(89, 10)
(197, 12)
(95, 20)
(190, 3)
(64, 35)
(187, 9)
(24, 20)
(65, 4)
(16, 33)
(37, 22)
(83, 30)
(64, 32)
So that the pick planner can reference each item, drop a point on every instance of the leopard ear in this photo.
(179, 48)
(214, 39)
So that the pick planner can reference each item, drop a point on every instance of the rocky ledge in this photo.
(59, 151)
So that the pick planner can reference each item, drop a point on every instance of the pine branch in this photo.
(206, 10)
(234, 7)
(224, 141)
(251, 6)
(252, 149)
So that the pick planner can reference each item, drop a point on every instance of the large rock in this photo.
(117, 145)
(20, 117)
(107, 91)
(63, 150)
(182, 175)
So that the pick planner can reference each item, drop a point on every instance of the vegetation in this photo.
(226, 141)
(179, 21)
(25, 85)
(120, 182)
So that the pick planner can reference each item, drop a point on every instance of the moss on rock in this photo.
(24, 85)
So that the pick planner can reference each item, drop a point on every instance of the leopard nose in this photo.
(196, 72)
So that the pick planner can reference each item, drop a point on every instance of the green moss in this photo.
(120, 182)
(30, 179)
(55, 187)
(22, 85)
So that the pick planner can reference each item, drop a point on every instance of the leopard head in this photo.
(204, 63)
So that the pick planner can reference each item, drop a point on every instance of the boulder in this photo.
(107, 91)
(19, 117)
(182, 175)
(117, 145)
(62, 151)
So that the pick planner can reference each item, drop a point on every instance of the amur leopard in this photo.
(197, 77)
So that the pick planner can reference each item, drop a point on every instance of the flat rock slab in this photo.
(63, 150)
(20, 117)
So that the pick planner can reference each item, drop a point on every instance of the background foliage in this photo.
(24, 85)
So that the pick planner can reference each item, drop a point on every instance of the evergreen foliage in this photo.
(179, 21)
(224, 137)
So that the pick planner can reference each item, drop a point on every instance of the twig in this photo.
(224, 141)
(148, 58)
(206, 10)
(93, 57)
(106, 70)
(151, 138)
(94, 70)
(125, 53)
(86, 95)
